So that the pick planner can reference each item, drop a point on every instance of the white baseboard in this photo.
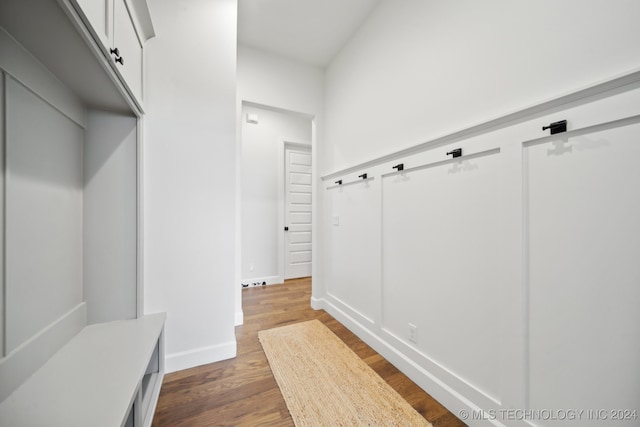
(199, 356)
(239, 318)
(442, 392)
(317, 303)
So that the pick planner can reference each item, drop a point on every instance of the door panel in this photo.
(300, 198)
(98, 13)
(126, 40)
(298, 181)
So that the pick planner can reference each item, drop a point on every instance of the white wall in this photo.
(268, 79)
(418, 69)
(190, 178)
(503, 255)
(261, 199)
(454, 247)
(277, 82)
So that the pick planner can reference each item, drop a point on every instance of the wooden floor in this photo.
(243, 392)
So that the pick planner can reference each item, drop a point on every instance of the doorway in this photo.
(272, 140)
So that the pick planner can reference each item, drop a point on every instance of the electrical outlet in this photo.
(413, 333)
(251, 267)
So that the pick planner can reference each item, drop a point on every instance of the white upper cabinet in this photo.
(120, 27)
(127, 49)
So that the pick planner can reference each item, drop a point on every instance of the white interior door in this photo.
(297, 213)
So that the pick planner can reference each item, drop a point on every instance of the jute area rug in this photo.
(324, 383)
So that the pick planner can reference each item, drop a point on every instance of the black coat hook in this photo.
(363, 176)
(399, 166)
(339, 182)
(455, 153)
(556, 127)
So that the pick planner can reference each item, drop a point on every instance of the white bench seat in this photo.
(94, 379)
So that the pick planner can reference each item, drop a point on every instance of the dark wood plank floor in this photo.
(243, 392)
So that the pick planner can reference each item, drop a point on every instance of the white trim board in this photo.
(22, 67)
(3, 213)
(21, 363)
(239, 318)
(199, 356)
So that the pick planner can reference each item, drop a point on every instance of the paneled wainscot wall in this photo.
(506, 278)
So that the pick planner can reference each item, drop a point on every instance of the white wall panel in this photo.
(456, 246)
(353, 275)
(516, 263)
(441, 265)
(110, 216)
(583, 245)
(43, 215)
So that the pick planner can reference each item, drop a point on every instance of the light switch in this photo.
(336, 220)
(252, 118)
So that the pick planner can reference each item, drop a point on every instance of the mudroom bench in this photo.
(108, 375)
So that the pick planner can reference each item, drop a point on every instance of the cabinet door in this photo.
(125, 39)
(98, 15)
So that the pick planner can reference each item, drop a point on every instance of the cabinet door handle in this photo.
(120, 59)
(115, 52)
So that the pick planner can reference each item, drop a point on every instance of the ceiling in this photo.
(311, 31)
